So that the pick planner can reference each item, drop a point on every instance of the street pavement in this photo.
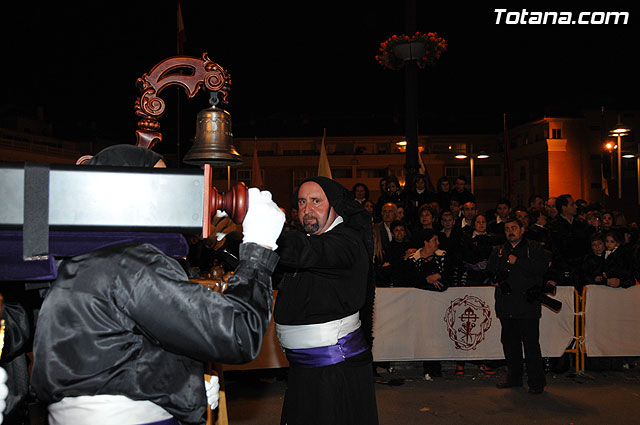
(405, 398)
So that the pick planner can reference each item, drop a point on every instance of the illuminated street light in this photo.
(619, 131)
(471, 165)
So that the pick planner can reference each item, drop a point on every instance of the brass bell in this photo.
(213, 140)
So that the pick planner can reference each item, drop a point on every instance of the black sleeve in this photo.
(194, 321)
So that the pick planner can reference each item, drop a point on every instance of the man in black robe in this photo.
(122, 334)
(319, 308)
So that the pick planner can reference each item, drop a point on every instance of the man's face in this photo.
(314, 212)
(542, 220)
(551, 207)
(607, 220)
(597, 246)
(400, 213)
(447, 221)
(359, 192)
(389, 213)
(469, 210)
(571, 208)
(513, 231)
(399, 233)
(459, 186)
(420, 184)
(523, 217)
(445, 186)
(537, 204)
(435, 207)
(502, 210)
(392, 187)
(454, 206)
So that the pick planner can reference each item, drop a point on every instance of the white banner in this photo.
(458, 324)
(612, 321)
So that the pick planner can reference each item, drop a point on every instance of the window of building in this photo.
(457, 171)
(220, 173)
(487, 170)
(246, 174)
(364, 173)
(341, 173)
(382, 148)
(556, 133)
(301, 174)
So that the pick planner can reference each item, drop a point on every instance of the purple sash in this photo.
(348, 346)
(172, 421)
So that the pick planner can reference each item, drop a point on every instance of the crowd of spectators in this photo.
(434, 240)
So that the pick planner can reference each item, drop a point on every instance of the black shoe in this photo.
(507, 384)
(536, 390)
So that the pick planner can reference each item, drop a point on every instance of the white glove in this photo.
(212, 389)
(264, 220)
(4, 392)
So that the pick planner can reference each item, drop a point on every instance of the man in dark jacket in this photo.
(569, 243)
(122, 335)
(519, 266)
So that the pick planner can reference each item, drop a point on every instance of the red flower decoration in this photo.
(434, 44)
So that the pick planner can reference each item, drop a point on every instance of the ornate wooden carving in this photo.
(191, 74)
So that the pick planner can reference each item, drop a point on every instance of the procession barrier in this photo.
(460, 324)
(611, 321)
(403, 330)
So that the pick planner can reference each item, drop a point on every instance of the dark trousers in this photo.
(515, 334)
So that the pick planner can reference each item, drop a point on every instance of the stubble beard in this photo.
(312, 226)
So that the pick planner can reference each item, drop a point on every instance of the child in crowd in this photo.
(593, 264)
(617, 270)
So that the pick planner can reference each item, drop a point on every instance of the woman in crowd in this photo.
(426, 221)
(369, 206)
(476, 248)
(428, 268)
(360, 192)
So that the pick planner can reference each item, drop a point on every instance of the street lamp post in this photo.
(472, 158)
(619, 131)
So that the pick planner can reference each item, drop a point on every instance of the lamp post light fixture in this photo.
(619, 131)
(472, 157)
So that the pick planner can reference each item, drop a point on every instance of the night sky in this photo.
(301, 68)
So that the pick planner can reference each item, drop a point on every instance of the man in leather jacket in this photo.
(122, 334)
